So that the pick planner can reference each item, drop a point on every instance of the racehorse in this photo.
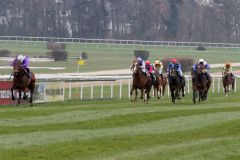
(175, 84)
(159, 86)
(22, 83)
(140, 81)
(200, 84)
(227, 81)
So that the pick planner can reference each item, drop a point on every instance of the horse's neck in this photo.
(140, 77)
(228, 77)
(201, 78)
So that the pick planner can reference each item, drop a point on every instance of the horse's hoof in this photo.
(25, 97)
(31, 105)
(141, 97)
(13, 98)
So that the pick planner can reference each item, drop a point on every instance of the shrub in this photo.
(5, 53)
(186, 63)
(58, 55)
(56, 46)
(141, 53)
(201, 48)
(84, 55)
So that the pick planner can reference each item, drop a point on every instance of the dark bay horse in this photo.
(140, 81)
(175, 84)
(200, 84)
(227, 81)
(159, 85)
(22, 83)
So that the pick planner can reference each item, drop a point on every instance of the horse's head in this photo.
(136, 68)
(228, 76)
(17, 68)
(200, 69)
(173, 72)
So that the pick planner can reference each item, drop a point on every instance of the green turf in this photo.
(120, 130)
(109, 56)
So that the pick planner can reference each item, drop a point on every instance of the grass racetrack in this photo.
(121, 130)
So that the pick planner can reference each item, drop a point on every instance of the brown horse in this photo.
(22, 83)
(200, 84)
(227, 81)
(140, 81)
(175, 84)
(159, 85)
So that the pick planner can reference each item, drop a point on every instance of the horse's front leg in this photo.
(31, 97)
(19, 96)
(13, 97)
(25, 95)
(183, 94)
(142, 90)
(199, 96)
(225, 91)
(131, 94)
(146, 97)
(136, 93)
(194, 97)
(233, 86)
(163, 90)
(173, 96)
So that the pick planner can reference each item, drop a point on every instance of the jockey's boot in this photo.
(161, 76)
(153, 78)
(146, 74)
(208, 76)
(232, 76)
(27, 72)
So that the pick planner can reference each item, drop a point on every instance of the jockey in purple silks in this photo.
(24, 63)
(203, 63)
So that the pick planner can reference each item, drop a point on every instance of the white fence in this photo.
(16, 39)
(109, 87)
(121, 88)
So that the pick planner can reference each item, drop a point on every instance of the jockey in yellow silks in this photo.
(227, 68)
(158, 66)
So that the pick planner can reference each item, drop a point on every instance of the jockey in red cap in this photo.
(173, 64)
(150, 70)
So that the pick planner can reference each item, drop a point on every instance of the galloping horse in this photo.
(228, 80)
(159, 86)
(200, 84)
(22, 83)
(175, 84)
(140, 81)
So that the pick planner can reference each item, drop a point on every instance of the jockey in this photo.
(24, 61)
(202, 62)
(227, 68)
(149, 69)
(158, 66)
(141, 62)
(174, 64)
